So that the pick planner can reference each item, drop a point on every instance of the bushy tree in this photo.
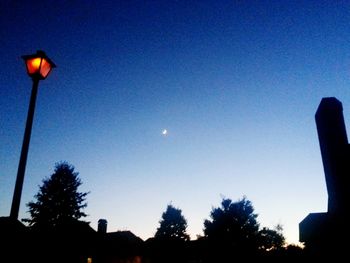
(271, 238)
(173, 225)
(58, 199)
(233, 224)
(233, 231)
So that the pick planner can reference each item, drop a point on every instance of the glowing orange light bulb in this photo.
(36, 62)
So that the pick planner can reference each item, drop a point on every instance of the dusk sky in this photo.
(235, 83)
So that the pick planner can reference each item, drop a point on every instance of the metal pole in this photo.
(24, 153)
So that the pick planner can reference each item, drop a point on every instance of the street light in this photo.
(38, 68)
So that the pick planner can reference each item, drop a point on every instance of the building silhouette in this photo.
(324, 232)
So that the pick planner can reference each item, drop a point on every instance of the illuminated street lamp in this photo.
(38, 68)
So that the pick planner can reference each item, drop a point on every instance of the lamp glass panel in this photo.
(45, 68)
(33, 65)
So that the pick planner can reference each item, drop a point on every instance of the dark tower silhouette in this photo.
(322, 232)
(335, 153)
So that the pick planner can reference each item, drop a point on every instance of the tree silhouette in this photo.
(172, 225)
(233, 225)
(271, 238)
(58, 200)
(233, 231)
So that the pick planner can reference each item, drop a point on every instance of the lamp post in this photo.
(38, 68)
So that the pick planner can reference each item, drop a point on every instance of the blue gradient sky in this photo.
(236, 83)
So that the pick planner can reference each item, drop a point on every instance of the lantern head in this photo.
(38, 65)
